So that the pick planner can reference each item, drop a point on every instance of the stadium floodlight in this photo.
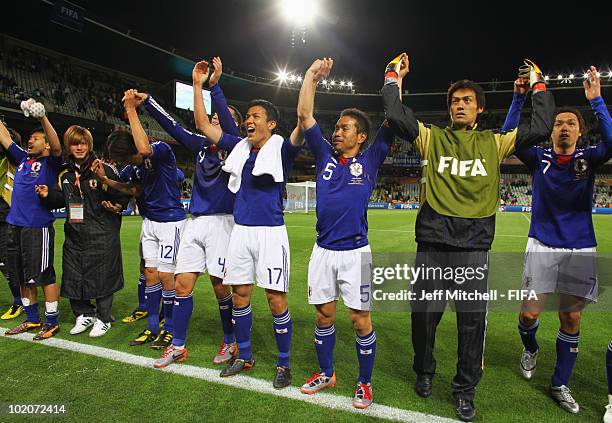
(546, 78)
(292, 78)
(585, 76)
(299, 78)
(571, 76)
(299, 11)
(282, 75)
(332, 83)
(559, 77)
(325, 82)
(342, 83)
(350, 84)
(598, 74)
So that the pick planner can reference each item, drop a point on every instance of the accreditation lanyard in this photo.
(75, 205)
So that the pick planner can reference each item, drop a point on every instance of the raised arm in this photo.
(131, 100)
(219, 103)
(318, 70)
(193, 142)
(592, 91)
(297, 135)
(5, 136)
(400, 118)
(54, 142)
(521, 87)
(199, 75)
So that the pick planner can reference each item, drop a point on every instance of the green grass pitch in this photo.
(103, 390)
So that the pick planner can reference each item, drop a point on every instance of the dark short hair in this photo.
(576, 112)
(39, 130)
(362, 119)
(466, 84)
(238, 114)
(271, 111)
(120, 146)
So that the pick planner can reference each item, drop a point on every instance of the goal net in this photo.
(301, 197)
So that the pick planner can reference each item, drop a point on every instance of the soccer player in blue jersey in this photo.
(206, 236)
(340, 264)
(258, 250)
(132, 187)
(560, 255)
(163, 222)
(31, 234)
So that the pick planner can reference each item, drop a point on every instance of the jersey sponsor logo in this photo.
(462, 167)
(365, 352)
(93, 183)
(36, 166)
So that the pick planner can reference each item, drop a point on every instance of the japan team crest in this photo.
(580, 167)
(356, 169)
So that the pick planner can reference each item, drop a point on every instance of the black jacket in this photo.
(91, 259)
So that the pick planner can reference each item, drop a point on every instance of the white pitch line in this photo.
(525, 216)
(322, 399)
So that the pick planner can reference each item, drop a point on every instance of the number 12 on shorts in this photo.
(165, 252)
(277, 276)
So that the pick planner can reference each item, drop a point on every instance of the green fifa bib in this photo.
(7, 176)
(462, 174)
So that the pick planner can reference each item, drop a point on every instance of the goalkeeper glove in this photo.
(392, 70)
(532, 72)
(33, 108)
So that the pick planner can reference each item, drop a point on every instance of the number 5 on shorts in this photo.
(365, 293)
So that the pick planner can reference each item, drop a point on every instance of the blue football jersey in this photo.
(210, 194)
(160, 192)
(344, 187)
(562, 186)
(259, 201)
(562, 194)
(26, 207)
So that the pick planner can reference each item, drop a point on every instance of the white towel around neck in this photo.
(269, 161)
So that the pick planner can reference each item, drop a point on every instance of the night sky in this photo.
(445, 43)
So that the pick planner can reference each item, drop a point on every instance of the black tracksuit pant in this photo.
(471, 313)
(102, 309)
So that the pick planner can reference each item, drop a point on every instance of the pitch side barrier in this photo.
(61, 213)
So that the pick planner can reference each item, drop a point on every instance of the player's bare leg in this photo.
(277, 301)
(528, 326)
(227, 347)
(243, 321)
(366, 352)
(570, 308)
(325, 341)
